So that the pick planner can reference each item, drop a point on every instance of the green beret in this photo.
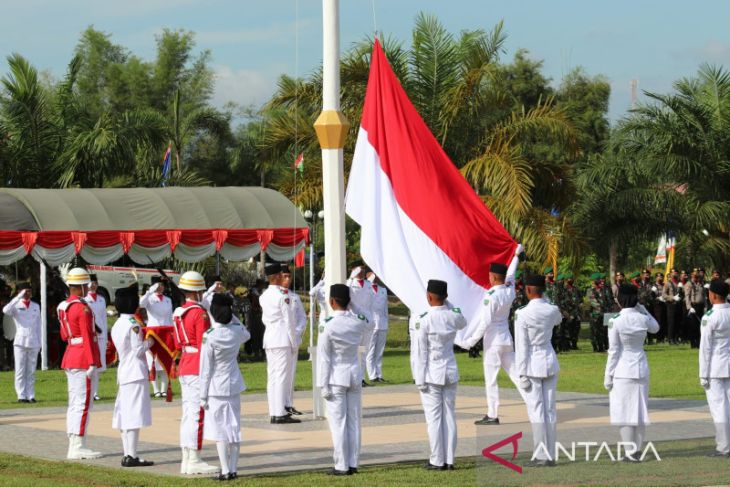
(518, 274)
(548, 270)
(634, 275)
(560, 277)
(595, 276)
(568, 275)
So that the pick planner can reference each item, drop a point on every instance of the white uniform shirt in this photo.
(131, 347)
(27, 322)
(159, 308)
(493, 317)
(337, 346)
(300, 316)
(277, 315)
(434, 361)
(534, 354)
(715, 343)
(626, 335)
(220, 374)
(98, 307)
(380, 307)
(361, 297)
(319, 294)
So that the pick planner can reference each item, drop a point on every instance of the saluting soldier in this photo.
(159, 313)
(221, 383)
(191, 322)
(436, 373)
(339, 376)
(673, 296)
(80, 361)
(537, 367)
(132, 409)
(694, 300)
(26, 315)
(715, 364)
(97, 303)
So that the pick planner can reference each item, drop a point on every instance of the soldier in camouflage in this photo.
(520, 301)
(550, 286)
(601, 302)
(571, 302)
(560, 339)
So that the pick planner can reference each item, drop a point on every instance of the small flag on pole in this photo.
(166, 164)
(299, 163)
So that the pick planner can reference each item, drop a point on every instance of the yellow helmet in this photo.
(192, 281)
(77, 277)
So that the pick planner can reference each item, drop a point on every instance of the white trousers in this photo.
(541, 410)
(496, 357)
(193, 416)
(161, 379)
(718, 398)
(439, 408)
(278, 380)
(102, 355)
(367, 340)
(291, 370)
(79, 401)
(343, 416)
(26, 360)
(375, 354)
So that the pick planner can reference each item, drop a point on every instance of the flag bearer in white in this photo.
(436, 373)
(493, 329)
(537, 366)
(132, 409)
(97, 303)
(339, 375)
(280, 339)
(319, 295)
(380, 331)
(27, 317)
(159, 313)
(361, 303)
(715, 364)
(300, 321)
(627, 371)
(221, 383)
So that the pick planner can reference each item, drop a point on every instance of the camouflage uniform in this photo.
(520, 301)
(601, 302)
(561, 340)
(571, 302)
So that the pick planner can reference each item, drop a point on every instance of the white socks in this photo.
(132, 437)
(233, 451)
(222, 447)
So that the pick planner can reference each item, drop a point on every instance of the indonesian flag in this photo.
(420, 218)
(299, 163)
(164, 350)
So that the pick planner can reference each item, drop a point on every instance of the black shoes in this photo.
(718, 454)
(365, 384)
(128, 461)
(23, 401)
(540, 463)
(293, 410)
(630, 459)
(339, 473)
(449, 466)
(352, 470)
(284, 420)
(486, 420)
(379, 379)
(430, 466)
(233, 476)
(221, 477)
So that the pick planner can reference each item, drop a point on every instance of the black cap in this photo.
(340, 291)
(439, 288)
(93, 278)
(22, 286)
(216, 278)
(285, 268)
(535, 281)
(627, 290)
(498, 268)
(719, 287)
(273, 268)
(126, 299)
(156, 279)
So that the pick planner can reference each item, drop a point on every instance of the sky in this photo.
(252, 42)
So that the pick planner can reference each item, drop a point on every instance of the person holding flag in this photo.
(159, 313)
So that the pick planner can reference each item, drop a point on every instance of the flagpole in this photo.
(331, 128)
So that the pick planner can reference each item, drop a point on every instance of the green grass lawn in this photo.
(674, 372)
(683, 463)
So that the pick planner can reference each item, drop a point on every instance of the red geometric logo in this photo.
(487, 452)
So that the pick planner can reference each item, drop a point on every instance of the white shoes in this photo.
(77, 449)
(194, 465)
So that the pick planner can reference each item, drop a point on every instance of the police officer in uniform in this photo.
(280, 342)
(537, 367)
(27, 342)
(339, 376)
(694, 300)
(80, 361)
(715, 364)
(660, 307)
(132, 409)
(191, 322)
(222, 383)
(673, 296)
(436, 373)
(97, 303)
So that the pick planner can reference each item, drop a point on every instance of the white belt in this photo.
(76, 340)
(189, 349)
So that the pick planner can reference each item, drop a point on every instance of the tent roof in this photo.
(181, 208)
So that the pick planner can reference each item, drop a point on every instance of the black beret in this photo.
(285, 268)
(437, 287)
(719, 287)
(340, 291)
(93, 278)
(22, 286)
(156, 279)
(126, 299)
(498, 268)
(535, 281)
(216, 278)
(627, 290)
(221, 299)
(273, 268)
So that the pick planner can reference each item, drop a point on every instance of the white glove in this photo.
(422, 387)
(661, 298)
(519, 249)
(21, 294)
(677, 298)
(204, 403)
(525, 384)
(691, 311)
(705, 383)
(153, 288)
(707, 286)
(327, 394)
(608, 384)
(654, 289)
(90, 371)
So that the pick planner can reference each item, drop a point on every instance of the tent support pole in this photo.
(44, 319)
